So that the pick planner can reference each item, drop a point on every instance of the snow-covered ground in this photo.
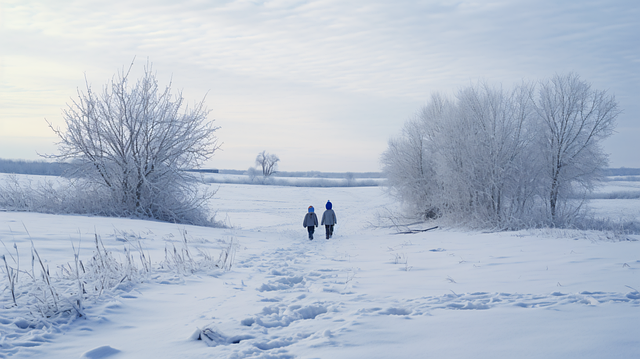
(365, 293)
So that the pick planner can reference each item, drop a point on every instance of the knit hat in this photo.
(329, 205)
(310, 209)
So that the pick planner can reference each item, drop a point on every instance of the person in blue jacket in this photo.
(310, 222)
(329, 219)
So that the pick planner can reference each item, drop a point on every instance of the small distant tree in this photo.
(351, 178)
(133, 143)
(252, 173)
(268, 162)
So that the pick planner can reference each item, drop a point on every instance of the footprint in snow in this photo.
(282, 315)
(100, 352)
(282, 284)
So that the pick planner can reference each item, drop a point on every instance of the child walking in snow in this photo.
(310, 222)
(329, 219)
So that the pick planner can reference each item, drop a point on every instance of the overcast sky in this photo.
(322, 84)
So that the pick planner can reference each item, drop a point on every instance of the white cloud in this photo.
(393, 53)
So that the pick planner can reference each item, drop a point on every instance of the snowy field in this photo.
(365, 293)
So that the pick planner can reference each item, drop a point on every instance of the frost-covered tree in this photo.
(574, 119)
(132, 143)
(252, 172)
(268, 162)
(501, 159)
(477, 143)
(484, 144)
(408, 166)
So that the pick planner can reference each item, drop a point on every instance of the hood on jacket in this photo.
(310, 209)
(329, 205)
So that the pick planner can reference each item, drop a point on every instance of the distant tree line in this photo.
(47, 168)
(33, 167)
(504, 159)
(621, 171)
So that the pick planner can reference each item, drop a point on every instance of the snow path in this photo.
(364, 293)
(312, 303)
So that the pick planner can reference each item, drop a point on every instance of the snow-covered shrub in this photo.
(15, 194)
(42, 294)
(52, 195)
(182, 261)
(49, 293)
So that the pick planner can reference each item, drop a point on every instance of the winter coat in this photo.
(329, 218)
(310, 220)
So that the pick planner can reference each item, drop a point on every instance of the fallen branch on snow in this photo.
(413, 231)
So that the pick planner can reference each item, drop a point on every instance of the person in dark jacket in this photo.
(310, 222)
(329, 219)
